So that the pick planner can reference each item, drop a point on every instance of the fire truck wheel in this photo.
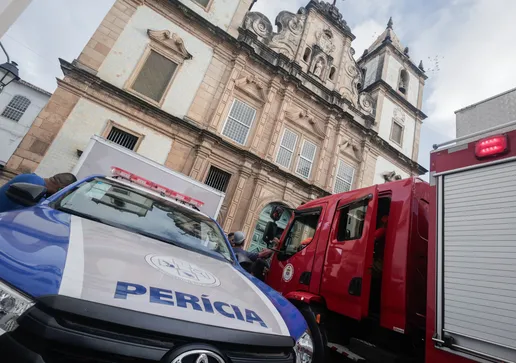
(318, 334)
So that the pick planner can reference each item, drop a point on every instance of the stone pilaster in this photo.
(244, 174)
(330, 124)
(108, 32)
(285, 103)
(368, 166)
(260, 180)
(273, 90)
(335, 155)
(203, 152)
(417, 135)
(218, 117)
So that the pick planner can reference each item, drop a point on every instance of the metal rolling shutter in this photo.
(479, 259)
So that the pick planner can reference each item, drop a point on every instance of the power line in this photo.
(28, 48)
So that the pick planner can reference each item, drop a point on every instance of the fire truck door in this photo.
(347, 270)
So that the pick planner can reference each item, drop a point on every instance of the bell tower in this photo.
(396, 84)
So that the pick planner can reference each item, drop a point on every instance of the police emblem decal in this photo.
(288, 272)
(182, 270)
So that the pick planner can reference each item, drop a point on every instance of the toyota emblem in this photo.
(198, 356)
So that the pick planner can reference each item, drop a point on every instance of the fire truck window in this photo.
(300, 234)
(351, 223)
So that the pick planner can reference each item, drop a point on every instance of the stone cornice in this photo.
(382, 84)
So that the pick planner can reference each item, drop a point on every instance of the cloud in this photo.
(36, 40)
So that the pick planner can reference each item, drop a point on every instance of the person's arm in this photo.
(253, 256)
(265, 253)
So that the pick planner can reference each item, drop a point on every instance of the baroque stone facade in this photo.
(280, 117)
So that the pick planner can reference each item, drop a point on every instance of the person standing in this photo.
(53, 185)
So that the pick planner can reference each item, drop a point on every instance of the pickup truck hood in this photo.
(46, 252)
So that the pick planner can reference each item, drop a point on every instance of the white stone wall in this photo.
(382, 166)
(219, 12)
(386, 124)
(88, 119)
(393, 73)
(12, 132)
(131, 45)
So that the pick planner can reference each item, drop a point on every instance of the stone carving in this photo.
(399, 114)
(290, 28)
(171, 41)
(252, 87)
(258, 24)
(366, 103)
(324, 40)
(331, 12)
(318, 68)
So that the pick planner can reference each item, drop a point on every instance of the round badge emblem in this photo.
(182, 270)
(288, 273)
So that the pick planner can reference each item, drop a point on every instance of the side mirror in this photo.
(26, 194)
(269, 233)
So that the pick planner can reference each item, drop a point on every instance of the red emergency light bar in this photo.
(491, 146)
(155, 187)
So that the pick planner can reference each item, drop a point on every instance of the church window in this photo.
(344, 178)
(16, 108)
(122, 136)
(203, 3)
(218, 179)
(239, 122)
(397, 132)
(306, 159)
(308, 53)
(154, 77)
(403, 81)
(286, 148)
(333, 71)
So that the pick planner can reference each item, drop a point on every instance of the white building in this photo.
(10, 10)
(491, 112)
(20, 103)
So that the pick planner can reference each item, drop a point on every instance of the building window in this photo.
(403, 81)
(239, 122)
(344, 178)
(306, 159)
(154, 76)
(203, 3)
(333, 70)
(218, 179)
(397, 133)
(123, 138)
(16, 108)
(286, 149)
(307, 54)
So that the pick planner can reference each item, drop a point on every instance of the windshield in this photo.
(115, 204)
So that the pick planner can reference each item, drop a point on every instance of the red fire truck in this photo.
(409, 271)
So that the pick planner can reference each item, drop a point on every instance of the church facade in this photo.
(209, 88)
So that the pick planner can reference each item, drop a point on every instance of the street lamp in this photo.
(8, 71)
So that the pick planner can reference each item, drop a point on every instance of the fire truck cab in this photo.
(411, 271)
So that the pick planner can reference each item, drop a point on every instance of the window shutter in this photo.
(286, 149)
(154, 77)
(344, 178)
(239, 122)
(306, 158)
(16, 108)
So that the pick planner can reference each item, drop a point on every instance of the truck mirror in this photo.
(26, 194)
(276, 212)
(269, 233)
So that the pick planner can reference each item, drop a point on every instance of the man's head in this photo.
(231, 236)
(238, 239)
(59, 181)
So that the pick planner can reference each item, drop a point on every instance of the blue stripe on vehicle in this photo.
(33, 249)
(295, 321)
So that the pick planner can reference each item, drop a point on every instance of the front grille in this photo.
(53, 351)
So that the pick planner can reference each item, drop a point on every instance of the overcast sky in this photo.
(467, 46)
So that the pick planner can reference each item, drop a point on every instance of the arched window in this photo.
(16, 108)
(403, 81)
(306, 56)
(333, 71)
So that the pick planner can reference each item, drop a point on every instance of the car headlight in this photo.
(12, 305)
(304, 348)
